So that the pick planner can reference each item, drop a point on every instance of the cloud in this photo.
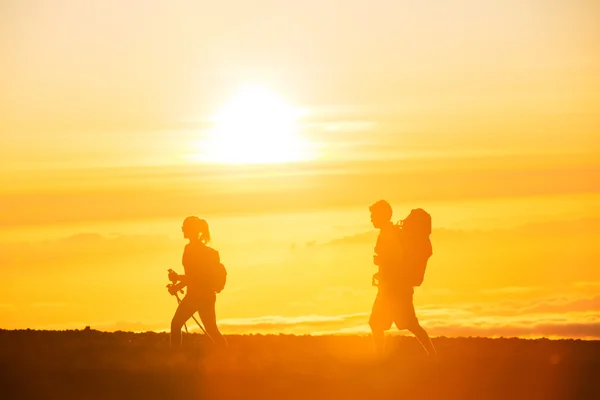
(573, 318)
(304, 324)
(354, 330)
(277, 320)
(566, 318)
(510, 290)
(313, 186)
(525, 329)
(50, 305)
(558, 228)
(461, 324)
(557, 305)
(358, 238)
(554, 305)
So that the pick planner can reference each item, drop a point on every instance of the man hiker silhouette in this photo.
(394, 300)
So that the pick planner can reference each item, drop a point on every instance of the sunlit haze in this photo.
(280, 123)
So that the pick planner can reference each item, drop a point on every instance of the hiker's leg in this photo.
(209, 320)
(184, 311)
(378, 339)
(423, 338)
(379, 323)
(407, 318)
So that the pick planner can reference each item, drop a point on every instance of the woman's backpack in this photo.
(216, 274)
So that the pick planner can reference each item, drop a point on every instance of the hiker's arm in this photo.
(386, 259)
(175, 277)
(182, 279)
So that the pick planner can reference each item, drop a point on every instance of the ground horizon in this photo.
(94, 365)
(195, 333)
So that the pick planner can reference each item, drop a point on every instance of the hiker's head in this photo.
(381, 213)
(194, 227)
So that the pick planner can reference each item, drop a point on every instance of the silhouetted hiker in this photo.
(204, 277)
(394, 301)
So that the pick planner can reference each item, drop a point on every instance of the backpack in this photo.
(216, 274)
(413, 232)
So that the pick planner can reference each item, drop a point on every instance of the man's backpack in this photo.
(216, 274)
(414, 233)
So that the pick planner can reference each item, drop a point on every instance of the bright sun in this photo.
(255, 127)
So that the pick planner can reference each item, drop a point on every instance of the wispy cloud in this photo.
(50, 304)
(573, 318)
(558, 228)
(532, 328)
(362, 237)
(322, 185)
(576, 318)
(304, 324)
(557, 305)
(510, 290)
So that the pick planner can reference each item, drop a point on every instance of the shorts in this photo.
(394, 306)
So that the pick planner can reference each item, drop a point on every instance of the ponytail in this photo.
(204, 232)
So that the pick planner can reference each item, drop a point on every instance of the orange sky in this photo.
(485, 113)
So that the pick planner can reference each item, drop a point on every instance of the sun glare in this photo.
(255, 127)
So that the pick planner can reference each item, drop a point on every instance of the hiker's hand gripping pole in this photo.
(173, 289)
(375, 280)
